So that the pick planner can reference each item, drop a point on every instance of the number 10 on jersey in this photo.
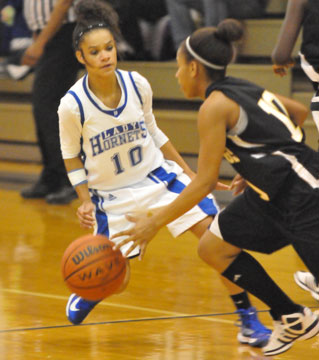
(134, 155)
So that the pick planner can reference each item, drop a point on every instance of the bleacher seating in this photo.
(175, 115)
(276, 8)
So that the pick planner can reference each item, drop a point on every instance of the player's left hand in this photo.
(238, 184)
(141, 234)
(85, 214)
(222, 186)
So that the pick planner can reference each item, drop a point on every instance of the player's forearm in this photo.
(189, 198)
(289, 32)
(83, 192)
(80, 185)
(296, 110)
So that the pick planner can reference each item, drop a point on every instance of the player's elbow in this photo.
(305, 115)
(207, 185)
(301, 115)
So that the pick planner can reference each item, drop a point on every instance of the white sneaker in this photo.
(298, 326)
(18, 72)
(307, 282)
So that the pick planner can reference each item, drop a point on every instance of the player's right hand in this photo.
(281, 70)
(140, 234)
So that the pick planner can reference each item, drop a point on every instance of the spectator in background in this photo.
(154, 22)
(212, 13)
(131, 13)
(132, 48)
(56, 68)
(300, 14)
(18, 37)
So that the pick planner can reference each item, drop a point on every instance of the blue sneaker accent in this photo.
(77, 309)
(252, 331)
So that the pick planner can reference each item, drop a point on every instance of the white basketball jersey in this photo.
(119, 147)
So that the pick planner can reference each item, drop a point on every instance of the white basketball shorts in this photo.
(158, 189)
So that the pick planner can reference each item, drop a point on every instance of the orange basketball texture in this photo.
(91, 268)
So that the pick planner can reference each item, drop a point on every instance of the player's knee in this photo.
(216, 252)
(208, 249)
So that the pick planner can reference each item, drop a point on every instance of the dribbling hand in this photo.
(141, 234)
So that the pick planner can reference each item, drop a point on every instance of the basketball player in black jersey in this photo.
(258, 133)
(300, 15)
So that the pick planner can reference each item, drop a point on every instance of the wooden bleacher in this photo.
(175, 115)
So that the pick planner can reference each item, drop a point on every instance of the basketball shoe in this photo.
(307, 282)
(77, 309)
(252, 331)
(298, 326)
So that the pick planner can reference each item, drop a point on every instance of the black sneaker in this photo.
(64, 195)
(37, 191)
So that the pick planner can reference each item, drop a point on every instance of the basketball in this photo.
(91, 268)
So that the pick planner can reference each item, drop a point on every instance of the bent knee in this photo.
(216, 252)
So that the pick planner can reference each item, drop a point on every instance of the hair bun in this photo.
(229, 30)
(82, 11)
(94, 11)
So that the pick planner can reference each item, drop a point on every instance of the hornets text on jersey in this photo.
(125, 141)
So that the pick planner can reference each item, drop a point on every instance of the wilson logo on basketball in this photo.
(89, 251)
(91, 268)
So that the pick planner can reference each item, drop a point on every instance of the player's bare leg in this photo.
(252, 331)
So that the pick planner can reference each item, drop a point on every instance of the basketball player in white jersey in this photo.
(117, 158)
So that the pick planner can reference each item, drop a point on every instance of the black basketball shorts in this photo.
(251, 223)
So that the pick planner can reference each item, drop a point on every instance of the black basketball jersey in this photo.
(310, 43)
(269, 147)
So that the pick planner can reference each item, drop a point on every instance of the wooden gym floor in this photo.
(174, 308)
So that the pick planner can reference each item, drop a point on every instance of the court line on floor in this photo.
(166, 315)
(198, 316)
(110, 304)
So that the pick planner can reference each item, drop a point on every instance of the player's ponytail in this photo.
(213, 47)
(92, 14)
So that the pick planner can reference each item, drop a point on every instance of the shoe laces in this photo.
(248, 319)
